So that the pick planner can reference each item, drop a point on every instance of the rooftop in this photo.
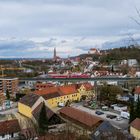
(29, 99)
(81, 118)
(88, 86)
(137, 90)
(9, 126)
(62, 90)
(136, 124)
(68, 89)
(37, 111)
(47, 90)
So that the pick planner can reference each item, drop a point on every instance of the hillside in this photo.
(121, 53)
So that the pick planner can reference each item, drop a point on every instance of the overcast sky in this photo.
(69, 25)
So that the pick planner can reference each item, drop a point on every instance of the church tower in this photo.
(54, 55)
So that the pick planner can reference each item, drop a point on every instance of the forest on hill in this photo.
(115, 55)
(118, 54)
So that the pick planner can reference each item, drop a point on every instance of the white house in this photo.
(94, 51)
(132, 62)
(137, 74)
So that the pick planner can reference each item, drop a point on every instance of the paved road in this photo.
(123, 124)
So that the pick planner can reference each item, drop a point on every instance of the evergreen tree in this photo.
(7, 95)
(132, 112)
(112, 68)
(43, 120)
(138, 108)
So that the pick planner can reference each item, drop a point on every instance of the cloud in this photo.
(69, 25)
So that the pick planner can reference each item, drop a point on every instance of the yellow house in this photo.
(54, 102)
(53, 96)
(28, 103)
(86, 89)
(135, 128)
(59, 95)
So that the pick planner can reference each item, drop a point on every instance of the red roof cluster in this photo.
(63, 90)
(43, 85)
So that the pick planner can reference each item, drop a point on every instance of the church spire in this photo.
(54, 55)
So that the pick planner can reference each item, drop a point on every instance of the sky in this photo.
(33, 28)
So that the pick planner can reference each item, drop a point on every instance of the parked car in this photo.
(110, 116)
(125, 115)
(105, 108)
(119, 118)
(99, 112)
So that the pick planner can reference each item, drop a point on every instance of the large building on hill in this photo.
(94, 51)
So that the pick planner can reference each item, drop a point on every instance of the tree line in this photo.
(118, 54)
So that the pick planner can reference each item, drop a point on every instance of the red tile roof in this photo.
(68, 89)
(137, 90)
(9, 126)
(80, 117)
(51, 95)
(49, 90)
(94, 49)
(88, 86)
(136, 124)
(43, 85)
(62, 90)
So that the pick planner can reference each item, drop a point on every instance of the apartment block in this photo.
(10, 84)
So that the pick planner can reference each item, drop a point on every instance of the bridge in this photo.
(81, 79)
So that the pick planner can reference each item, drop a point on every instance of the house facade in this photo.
(28, 103)
(135, 128)
(59, 95)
